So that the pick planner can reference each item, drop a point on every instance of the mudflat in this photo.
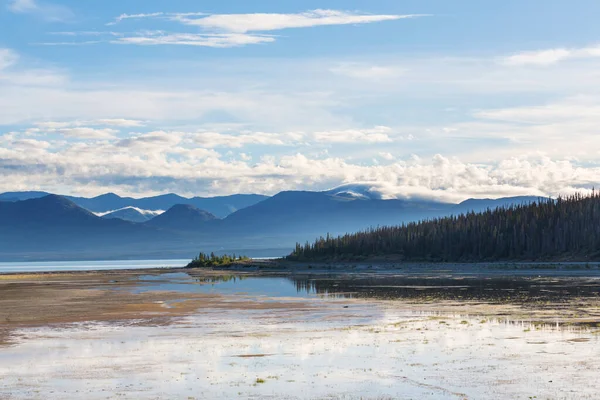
(306, 333)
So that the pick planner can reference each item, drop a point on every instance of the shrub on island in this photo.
(204, 260)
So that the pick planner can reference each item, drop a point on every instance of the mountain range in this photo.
(40, 226)
(220, 206)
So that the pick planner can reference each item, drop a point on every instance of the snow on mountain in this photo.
(357, 191)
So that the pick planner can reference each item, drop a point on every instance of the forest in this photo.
(549, 229)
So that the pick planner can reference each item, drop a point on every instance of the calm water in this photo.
(50, 266)
(313, 337)
(517, 289)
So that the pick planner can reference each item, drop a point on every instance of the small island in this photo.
(204, 260)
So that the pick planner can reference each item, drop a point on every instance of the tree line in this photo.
(563, 228)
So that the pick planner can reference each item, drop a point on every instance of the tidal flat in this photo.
(194, 334)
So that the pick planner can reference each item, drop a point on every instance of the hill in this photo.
(132, 214)
(19, 196)
(305, 214)
(53, 227)
(50, 210)
(182, 217)
(544, 230)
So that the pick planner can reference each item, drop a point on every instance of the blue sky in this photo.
(436, 99)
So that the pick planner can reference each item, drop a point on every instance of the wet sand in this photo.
(308, 334)
(34, 300)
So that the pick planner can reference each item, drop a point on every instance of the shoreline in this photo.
(76, 296)
(374, 266)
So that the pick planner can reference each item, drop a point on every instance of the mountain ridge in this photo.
(182, 217)
(220, 206)
(54, 226)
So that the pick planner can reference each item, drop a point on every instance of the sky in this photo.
(436, 99)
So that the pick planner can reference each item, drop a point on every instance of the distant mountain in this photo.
(221, 206)
(478, 205)
(53, 227)
(308, 213)
(132, 214)
(182, 217)
(50, 210)
(110, 201)
(355, 191)
(18, 196)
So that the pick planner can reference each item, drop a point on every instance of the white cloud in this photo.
(87, 133)
(28, 104)
(22, 6)
(7, 58)
(231, 30)
(86, 33)
(47, 11)
(149, 213)
(368, 72)
(123, 17)
(569, 109)
(214, 139)
(550, 56)
(565, 129)
(379, 134)
(191, 39)
(156, 139)
(122, 122)
(119, 122)
(75, 129)
(52, 125)
(169, 161)
(543, 57)
(84, 129)
(86, 43)
(30, 144)
(261, 22)
(323, 111)
(11, 75)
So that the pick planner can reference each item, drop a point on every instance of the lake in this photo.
(55, 266)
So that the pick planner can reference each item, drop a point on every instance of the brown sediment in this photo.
(33, 300)
(253, 355)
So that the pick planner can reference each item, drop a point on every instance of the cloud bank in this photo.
(551, 56)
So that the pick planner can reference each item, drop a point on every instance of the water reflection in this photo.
(366, 352)
(515, 289)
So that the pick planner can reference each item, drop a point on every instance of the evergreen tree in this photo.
(547, 229)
